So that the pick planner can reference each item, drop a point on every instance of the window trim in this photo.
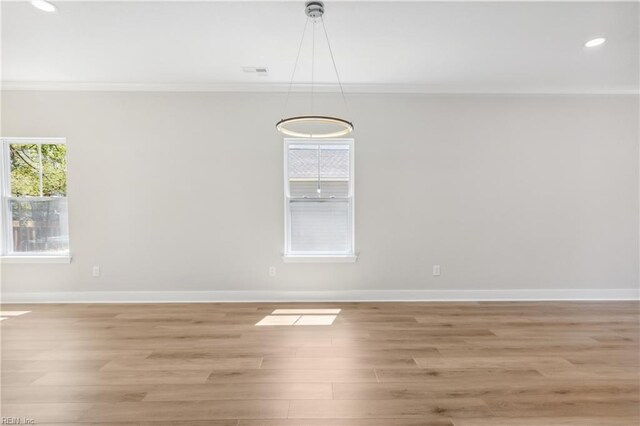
(320, 257)
(14, 259)
(5, 195)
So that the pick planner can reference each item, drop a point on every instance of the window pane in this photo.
(25, 170)
(303, 171)
(334, 188)
(303, 188)
(40, 225)
(334, 162)
(303, 161)
(307, 162)
(54, 170)
(334, 171)
(320, 226)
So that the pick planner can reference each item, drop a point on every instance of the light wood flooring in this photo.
(378, 364)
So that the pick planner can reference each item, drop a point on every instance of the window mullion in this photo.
(40, 169)
(5, 191)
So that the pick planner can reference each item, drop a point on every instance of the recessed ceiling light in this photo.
(43, 5)
(595, 42)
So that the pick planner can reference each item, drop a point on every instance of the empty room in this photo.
(339, 213)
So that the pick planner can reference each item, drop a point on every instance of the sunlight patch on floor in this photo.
(8, 314)
(306, 311)
(12, 313)
(278, 320)
(316, 320)
(303, 317)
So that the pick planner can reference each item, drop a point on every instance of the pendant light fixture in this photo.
(313, 125)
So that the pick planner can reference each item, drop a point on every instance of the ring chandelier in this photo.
(313, 125)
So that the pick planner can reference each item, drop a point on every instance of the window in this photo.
(34, 197)
(319, 198)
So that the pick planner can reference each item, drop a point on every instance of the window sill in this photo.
(35, 259)
(304, 258)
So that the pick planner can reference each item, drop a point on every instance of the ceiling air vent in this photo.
(256, 70)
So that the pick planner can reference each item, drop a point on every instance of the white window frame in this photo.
(290, 256)
(6, 256)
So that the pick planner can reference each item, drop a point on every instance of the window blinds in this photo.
(320, 227)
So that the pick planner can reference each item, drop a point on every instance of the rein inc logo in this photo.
(17, 421)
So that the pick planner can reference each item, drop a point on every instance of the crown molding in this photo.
(303, 88)
(368, 1)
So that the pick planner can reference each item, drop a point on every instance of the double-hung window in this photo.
(319, 199)
(34, 198)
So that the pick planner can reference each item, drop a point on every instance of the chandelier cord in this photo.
(293, 74)
(313, 57)
(335, 68)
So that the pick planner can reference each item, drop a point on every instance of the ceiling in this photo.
(498, 47)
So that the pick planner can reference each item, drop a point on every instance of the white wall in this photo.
(183, 192)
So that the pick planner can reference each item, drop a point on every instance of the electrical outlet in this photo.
(272, 271)
(95, 271)
(436, 270)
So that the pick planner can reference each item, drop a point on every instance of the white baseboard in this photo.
(321, 296)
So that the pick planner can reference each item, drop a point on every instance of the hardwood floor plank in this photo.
(591, 372)
(210, 422)
(349, 422)
(511, 363)
(64, 413)
(53, 365)
(186, 410)
(350, 352)
(155, 364)
(91, 355)
(593, 350)
(456, 388)
(18, 354)
(427, 334)
(612, 358)
(123, 377)
(19, 378)
(466, 375)
(292, 376)
(547, 421)
(380, 409)
(419, 390)
(564, 406)
(216, 352)
(241, 391)
(68, 394)
(337, 363)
